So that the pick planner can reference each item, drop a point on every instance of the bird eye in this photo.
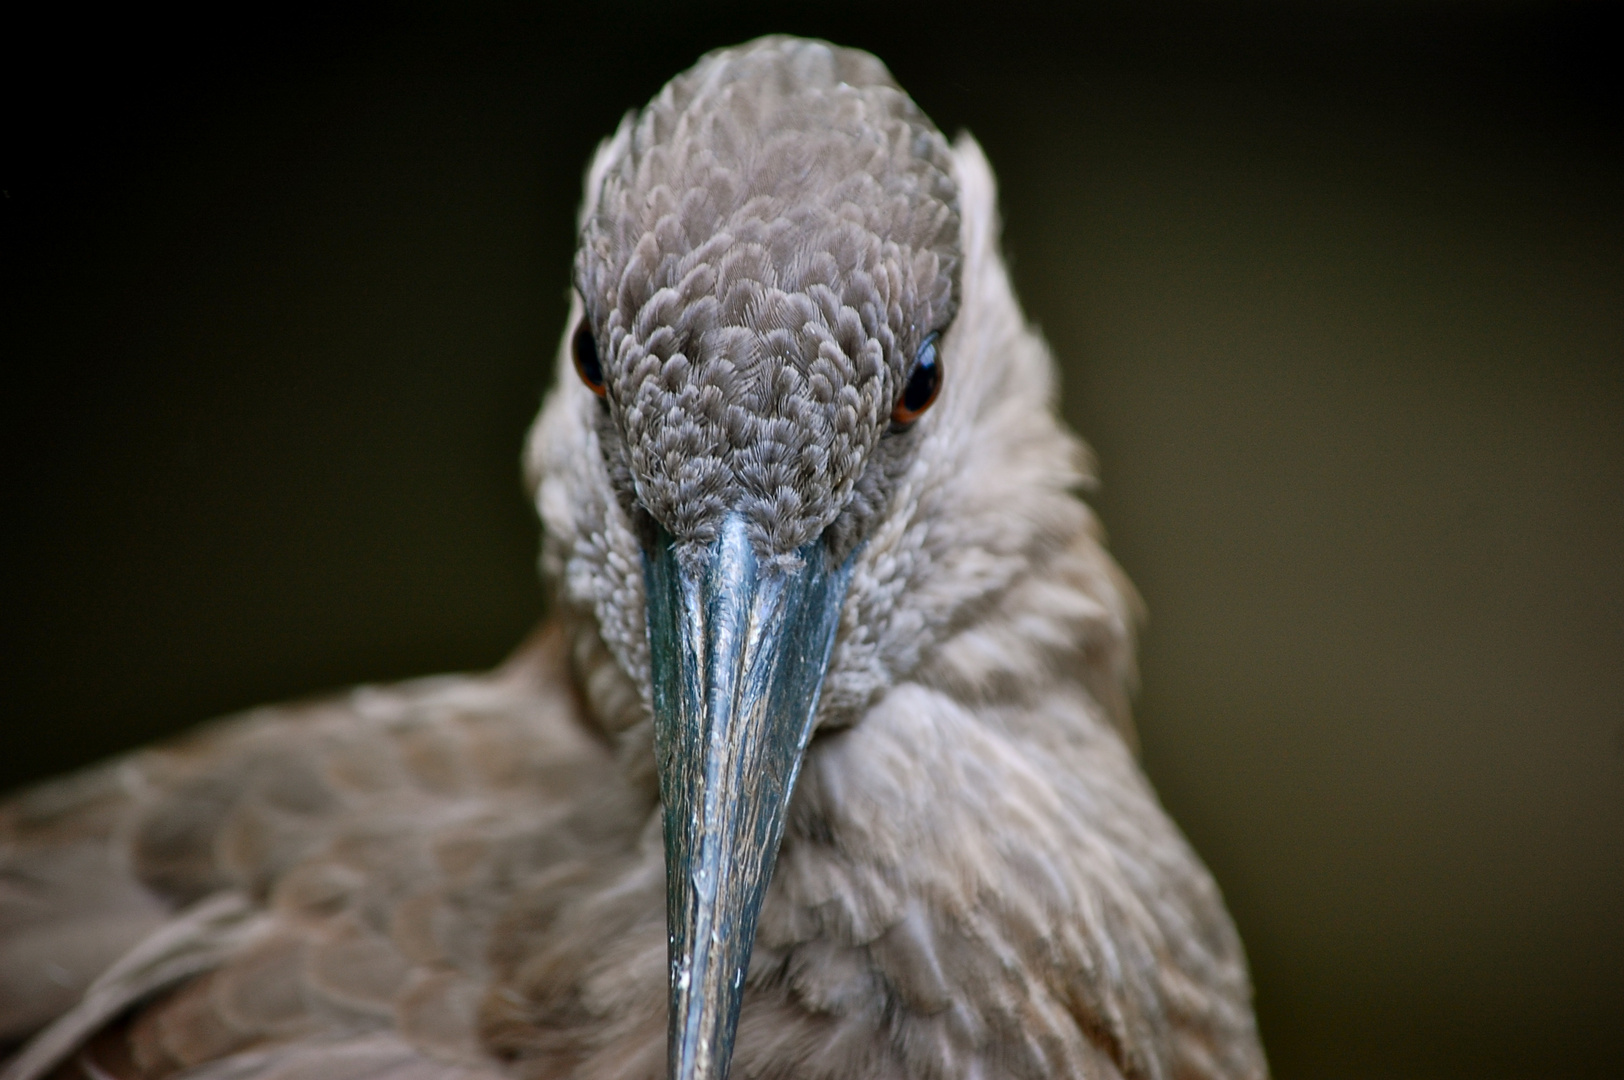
(923, 383)
(584, 347)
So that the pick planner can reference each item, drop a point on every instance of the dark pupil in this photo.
(586, 355)
(922, 384)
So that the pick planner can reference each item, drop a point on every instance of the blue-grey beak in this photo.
(738, 651)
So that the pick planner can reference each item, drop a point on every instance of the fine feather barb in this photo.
(198, 940)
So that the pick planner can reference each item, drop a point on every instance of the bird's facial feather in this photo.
(769, 246)
(949, 512)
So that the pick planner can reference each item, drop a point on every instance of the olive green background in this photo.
(1338, 290)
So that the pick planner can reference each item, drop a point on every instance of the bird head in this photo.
(742, 474)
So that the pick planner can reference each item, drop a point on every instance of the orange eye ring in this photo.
(924, 383)
(584, 349)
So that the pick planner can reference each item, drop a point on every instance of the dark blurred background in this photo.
(1339, 294)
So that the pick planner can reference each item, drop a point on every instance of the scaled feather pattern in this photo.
(462, 878)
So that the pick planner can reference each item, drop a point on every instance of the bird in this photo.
(821, 763)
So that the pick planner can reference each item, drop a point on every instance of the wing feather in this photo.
(199, 940)
(298, 884)
(376, 1056)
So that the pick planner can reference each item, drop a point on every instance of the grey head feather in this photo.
(828, 196)
(769, 245)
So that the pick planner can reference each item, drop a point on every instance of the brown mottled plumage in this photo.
(463, 877)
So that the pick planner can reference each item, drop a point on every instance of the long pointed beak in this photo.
(738, 653)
